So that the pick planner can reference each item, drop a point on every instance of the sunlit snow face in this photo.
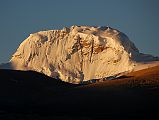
(77, 54)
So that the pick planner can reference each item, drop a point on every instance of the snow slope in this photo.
(78, 53)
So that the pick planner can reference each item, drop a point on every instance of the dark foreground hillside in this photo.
(31, 95)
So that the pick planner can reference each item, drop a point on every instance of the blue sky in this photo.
(138, 19)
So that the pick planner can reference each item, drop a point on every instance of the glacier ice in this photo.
(78, 53)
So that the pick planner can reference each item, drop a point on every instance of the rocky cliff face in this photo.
(77, 54)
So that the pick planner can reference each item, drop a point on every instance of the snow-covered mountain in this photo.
(78, 53)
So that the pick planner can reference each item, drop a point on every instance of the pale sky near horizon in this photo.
(138, 19)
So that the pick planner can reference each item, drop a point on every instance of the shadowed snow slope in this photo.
(78, 53)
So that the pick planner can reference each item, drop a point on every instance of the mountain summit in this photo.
(78, 53)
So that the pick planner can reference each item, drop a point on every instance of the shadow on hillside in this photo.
(24, 88)
(32, 95)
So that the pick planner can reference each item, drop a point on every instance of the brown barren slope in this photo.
(135, 96)
(146, 77)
